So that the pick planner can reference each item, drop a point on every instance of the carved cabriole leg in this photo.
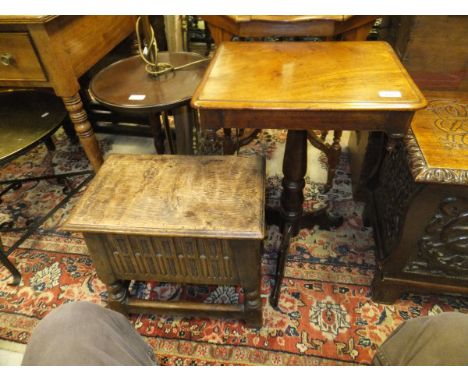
(247, 258)
(116, 288)
(84, 130)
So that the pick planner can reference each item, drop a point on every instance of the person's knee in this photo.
(76, 310)
(434, 340)
(82, 333)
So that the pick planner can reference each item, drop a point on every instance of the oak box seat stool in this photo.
(174, 218)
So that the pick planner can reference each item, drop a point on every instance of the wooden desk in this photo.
(54, 51)
(302, 85)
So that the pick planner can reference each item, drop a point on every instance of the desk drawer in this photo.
(18, 59)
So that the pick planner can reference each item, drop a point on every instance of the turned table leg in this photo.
(292, 197)
(291, 210)
(84, 130)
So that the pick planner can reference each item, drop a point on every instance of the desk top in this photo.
(438, 144)
(311, 76)
(174, 195)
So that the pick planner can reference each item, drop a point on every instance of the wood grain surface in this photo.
(441, 138)
(365, 75)
(215, 196)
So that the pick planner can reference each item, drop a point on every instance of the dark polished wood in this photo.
(301, 86)
(54, 51)
(125, 86)
(419, 205)
(184, 219)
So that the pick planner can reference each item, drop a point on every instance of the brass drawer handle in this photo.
(7, 59)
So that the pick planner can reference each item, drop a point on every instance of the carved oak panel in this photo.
(171, 259)
(443, 250)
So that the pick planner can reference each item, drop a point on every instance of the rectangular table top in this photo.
(441, 133)
(174, 195)
(315, 76)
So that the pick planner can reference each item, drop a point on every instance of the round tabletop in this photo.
(27, 117)
(126, 86)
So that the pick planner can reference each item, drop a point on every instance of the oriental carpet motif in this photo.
(325, 316)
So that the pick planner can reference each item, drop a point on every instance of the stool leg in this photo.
(117, 289)
(247, 259)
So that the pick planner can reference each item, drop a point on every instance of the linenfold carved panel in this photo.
(171, 259)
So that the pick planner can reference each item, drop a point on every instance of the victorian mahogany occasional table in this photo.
(303, 85)
(125, 86)
(54, 52)
(328, 27)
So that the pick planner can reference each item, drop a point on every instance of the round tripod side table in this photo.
(125, 86)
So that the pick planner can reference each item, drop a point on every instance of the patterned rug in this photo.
(326, 316)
